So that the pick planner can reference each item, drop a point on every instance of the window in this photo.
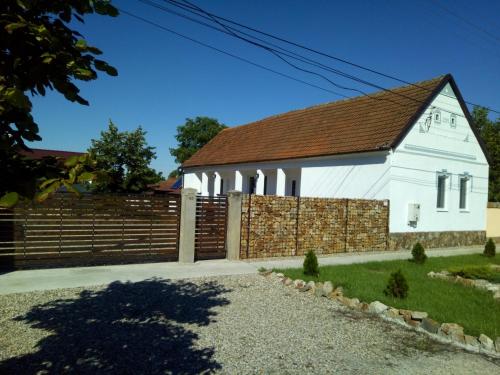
(251, 185)
(265, 185)
(453, 120)
(437, 116)
(441, 191)
(293, 188)
(221, 186)
(463, 192)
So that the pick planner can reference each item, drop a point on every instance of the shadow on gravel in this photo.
(127, 328)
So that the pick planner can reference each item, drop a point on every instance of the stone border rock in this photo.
(450, 333)
(476, 283)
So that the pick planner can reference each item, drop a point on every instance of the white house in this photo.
(414, 145)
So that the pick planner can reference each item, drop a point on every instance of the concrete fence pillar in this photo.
(233, 225)
(187, 225)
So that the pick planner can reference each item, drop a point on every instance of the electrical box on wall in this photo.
(413, 213)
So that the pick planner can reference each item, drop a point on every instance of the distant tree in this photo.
(490, 133)
(192, 136)
(39, 52)
(124, 157)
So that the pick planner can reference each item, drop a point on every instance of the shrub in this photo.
(311, 267)
(397, 286)
(490, 248)
(418, 253)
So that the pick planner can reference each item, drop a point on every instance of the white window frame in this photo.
(436, 116)
(467, 179)
(445, 191)
(453, 120)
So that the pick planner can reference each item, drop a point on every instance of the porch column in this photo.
(259, 188)
(217, 184)
(238, 181)
(204, 183)
(280, 182)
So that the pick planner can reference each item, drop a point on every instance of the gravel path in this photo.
(230, 325)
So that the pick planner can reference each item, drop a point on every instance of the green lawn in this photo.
(474, 309)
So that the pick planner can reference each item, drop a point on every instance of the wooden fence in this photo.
(93, 229)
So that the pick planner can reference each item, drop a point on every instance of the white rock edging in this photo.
(450, 333)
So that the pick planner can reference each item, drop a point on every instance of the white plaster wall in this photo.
(192, 180)
(427, 149)
(355, 176)
(363, 176)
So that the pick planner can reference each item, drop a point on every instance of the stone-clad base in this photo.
(436, 239)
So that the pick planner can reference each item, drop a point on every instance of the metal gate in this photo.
(210, 233)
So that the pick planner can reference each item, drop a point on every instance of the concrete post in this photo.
(233, 225)
(187, 225)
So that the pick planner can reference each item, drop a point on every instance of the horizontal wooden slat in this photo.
(65, 229)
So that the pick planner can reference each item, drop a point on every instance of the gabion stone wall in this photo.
(273, 226)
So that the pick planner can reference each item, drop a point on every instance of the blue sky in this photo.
(164, 79)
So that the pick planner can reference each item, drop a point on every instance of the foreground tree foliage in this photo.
(40, 52)
(124, 158)
(490, 132)
(192, 136)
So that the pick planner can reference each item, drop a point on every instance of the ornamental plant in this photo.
(418, 253)
(310, 266)
(397, 286)
(490, 248)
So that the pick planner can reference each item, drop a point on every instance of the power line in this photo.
(233, 32)
(192, 8)
(289, 54)
(228, 53)
(466, 21)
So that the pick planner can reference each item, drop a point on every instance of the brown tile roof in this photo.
(354, 125)
(165, 185)
(38, 153)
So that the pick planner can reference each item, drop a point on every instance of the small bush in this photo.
(311, 267)
(418, 253)
(490, 248)
(397, 285)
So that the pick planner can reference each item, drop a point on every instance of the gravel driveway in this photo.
(233, 325)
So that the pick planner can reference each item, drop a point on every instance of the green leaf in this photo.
(17, 98)
(72, 175)
(9, 200)
(46, 183)
(86, 177)
(14, 26)
(71, 161)
(81, 44)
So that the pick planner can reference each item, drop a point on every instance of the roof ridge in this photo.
(51, 149)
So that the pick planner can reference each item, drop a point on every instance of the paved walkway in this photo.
(46, 279)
